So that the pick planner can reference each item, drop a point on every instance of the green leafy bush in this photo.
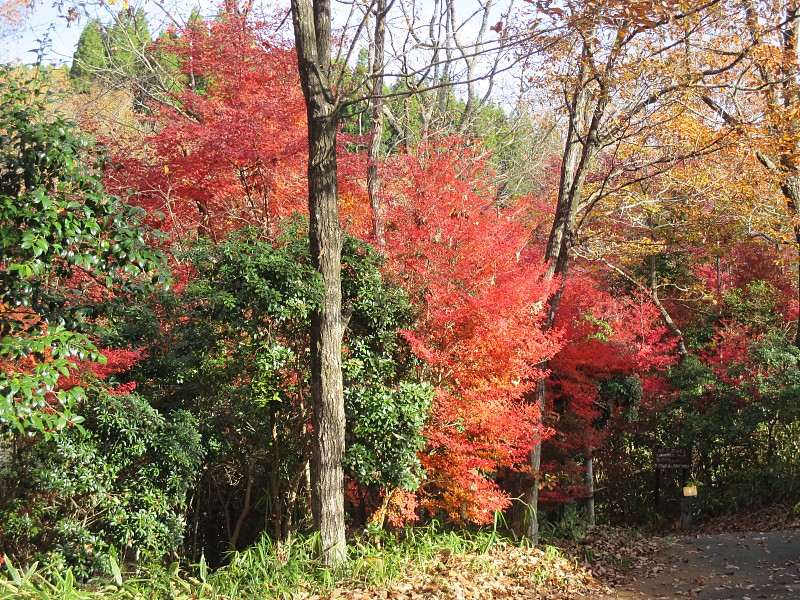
(59, 232)
(233, 349)
(119, 480)
(735, 402)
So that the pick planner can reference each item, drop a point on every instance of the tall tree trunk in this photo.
(791, 191)
(573, 175)
(312, 28)
(558, 267)
(581, 148)
(532, 499)
(373, 181)
(275, 480)
(327, 390)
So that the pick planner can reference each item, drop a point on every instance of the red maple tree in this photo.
(482, 292)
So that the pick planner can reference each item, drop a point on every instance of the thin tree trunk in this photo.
(237, 530)
(536, 465)
(797, 244)
(579, 151)
(791, 191)
(195, 506)
(590, 490)
(376, 135)
(541, 403)
(275, 480)
(567, 203)
(561, 233)
(286, 526)
(307, 483)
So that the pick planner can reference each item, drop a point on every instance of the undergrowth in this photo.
(265, 570)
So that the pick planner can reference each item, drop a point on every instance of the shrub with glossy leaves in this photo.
(119, 480)
(233, 349)
(65, 247)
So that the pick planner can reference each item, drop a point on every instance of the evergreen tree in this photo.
(90, 55)
(118, 54)
(127, 43)
(114, 52)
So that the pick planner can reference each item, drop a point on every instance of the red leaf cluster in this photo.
(230, 151)
(483, 295)
(609, 336)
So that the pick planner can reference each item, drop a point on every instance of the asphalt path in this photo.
(736, 566)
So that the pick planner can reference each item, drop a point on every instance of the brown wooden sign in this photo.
(672, 458)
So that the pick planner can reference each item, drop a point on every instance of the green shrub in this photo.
(58, 224)
(120, 480)
(233, 349)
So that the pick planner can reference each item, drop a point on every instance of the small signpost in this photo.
(670, 459)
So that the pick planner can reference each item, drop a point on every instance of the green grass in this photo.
(265, 570)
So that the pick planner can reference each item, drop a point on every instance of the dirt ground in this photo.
(736, 566)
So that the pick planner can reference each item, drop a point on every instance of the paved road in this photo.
(725, 567)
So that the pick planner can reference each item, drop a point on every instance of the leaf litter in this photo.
(778, 516)
(591, 567)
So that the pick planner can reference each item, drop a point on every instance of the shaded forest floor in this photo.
(724, 566)
(749, 555)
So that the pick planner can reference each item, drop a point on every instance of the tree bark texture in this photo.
(532, 499)
(312, 29)
(582, 146)
(373, 181)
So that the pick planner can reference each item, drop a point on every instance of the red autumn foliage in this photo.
(235, 156)
(232, 152)
(609, 336)
(117, 360)
(754, 291)
(483, 292)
